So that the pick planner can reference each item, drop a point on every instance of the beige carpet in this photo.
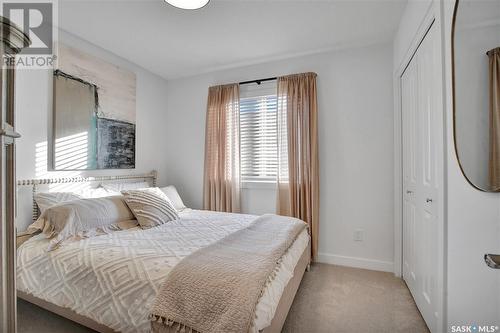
(330, 299)
(349, 300)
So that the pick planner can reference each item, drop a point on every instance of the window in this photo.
(258, 131)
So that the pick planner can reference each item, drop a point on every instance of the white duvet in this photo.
(113, 279)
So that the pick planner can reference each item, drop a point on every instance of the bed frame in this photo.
(284, 304)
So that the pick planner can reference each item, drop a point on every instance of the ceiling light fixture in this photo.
(188, 4)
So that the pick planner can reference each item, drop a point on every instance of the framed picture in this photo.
(93, 125)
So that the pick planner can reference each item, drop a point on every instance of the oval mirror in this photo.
(476, 90)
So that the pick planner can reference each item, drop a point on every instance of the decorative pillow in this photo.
(173, 195)
(118, 187)
(49, 199)
(150, 206)
(83, 218)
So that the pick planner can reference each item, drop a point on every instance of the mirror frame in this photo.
(453, 79)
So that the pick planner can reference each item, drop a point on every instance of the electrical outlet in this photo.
(358, 235)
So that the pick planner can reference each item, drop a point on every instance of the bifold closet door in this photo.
(410, 139)
(421, 125)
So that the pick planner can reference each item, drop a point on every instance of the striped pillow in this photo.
(150, 206)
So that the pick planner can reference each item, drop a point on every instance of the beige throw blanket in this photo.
(216, 289)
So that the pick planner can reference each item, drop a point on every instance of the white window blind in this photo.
(258, 132)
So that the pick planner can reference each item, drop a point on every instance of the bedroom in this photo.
(369, 120)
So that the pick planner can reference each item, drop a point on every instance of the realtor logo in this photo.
(474, 328)
(37, 19)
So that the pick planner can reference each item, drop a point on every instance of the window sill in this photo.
(258, 185)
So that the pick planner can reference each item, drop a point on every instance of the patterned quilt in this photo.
(113, 279)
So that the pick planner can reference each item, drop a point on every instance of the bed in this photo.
(109, 282)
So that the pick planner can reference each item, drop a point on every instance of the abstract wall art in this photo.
(93, 125)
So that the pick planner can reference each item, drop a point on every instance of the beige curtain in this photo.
(494, 169)
(221, 184)
(298, 163)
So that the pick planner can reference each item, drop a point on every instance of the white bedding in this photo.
(113, 278)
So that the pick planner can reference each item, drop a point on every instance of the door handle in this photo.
(409, 192)
(9, 132)
(428, 200)
(492, 260)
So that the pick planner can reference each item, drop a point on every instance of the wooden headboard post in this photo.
(35, 183)
(154, 173)
(35, 211)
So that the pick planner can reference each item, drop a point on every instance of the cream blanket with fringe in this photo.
(216, 289)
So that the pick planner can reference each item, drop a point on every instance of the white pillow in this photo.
(98, 192)
(45, 200)
(118, 187)
(174, 196)
(83, 218)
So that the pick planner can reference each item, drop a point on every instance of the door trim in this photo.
(432, 17)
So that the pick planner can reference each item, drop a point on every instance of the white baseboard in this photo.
(376, 265)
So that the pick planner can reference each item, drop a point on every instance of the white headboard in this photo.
(36, 183)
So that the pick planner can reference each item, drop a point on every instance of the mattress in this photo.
(113, 279)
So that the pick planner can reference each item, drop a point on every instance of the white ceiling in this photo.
(227, 33)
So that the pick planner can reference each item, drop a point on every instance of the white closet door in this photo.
(410, 164)
(421, 178)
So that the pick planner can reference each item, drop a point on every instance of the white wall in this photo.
(34, 105)
(473, 228)
(356, 148)
(472, 217)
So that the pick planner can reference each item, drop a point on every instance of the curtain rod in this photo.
(258, 81)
